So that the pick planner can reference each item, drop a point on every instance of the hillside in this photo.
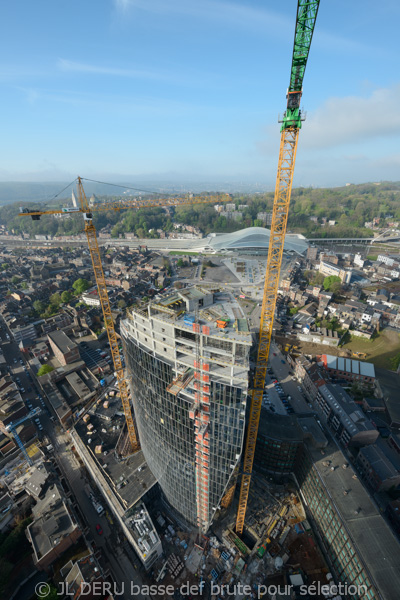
(349, 207)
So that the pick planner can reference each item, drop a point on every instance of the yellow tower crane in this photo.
(306, 16)
(91, 235)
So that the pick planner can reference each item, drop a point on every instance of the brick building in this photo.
(65, 350)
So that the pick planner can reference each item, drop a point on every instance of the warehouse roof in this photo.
(254, 239)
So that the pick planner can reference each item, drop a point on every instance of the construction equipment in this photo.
(291, 123)
(87, 212)
(12, 428)
(221, 323)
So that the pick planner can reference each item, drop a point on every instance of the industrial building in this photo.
(188, 357)
(348, 369)
(65, 350)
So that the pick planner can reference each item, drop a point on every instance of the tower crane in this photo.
(291, 123)
(12, 428)
(86, 210)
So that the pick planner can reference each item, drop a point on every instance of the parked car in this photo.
(99, 529)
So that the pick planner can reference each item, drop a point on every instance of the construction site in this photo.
(175, 463)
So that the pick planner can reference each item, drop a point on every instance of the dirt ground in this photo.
(305, 552)
(379, 351)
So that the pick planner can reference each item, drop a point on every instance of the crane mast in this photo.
(306, 16)
(91, 235)
(291, 124)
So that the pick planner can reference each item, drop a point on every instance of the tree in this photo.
(121, 303)
(80, 286)
(39, 306)
(24, 285)
(66, 296)
(44, 369)
(55, 299)
(15, 279)
(330, 281)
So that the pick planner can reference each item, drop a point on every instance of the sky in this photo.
(191, 90)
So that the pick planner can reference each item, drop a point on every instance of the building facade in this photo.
(346, 522)
(65, 350)
(188, 357)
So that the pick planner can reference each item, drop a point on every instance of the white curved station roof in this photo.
(253, 240)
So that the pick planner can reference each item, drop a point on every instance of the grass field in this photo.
(379, 351)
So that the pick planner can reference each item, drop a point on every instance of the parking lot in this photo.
(95, 358)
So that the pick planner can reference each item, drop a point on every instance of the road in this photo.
(122, 562)
(124, 568)
(291, 388)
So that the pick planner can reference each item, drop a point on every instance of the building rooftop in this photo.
(380, 463)
(254, 239)
(350, 366)
(349, 413)
(78, 385)
(174, 308)
(52, 522)
(62, 341)
(130, 479)
(142, 528)
(377, 545)
(284, 428)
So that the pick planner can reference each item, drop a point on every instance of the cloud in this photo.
(243, 16)
(78, 67)
(186, 78)
(212, 10)
(353, 119)
(344, 121)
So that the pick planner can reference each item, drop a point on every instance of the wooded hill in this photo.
(350, 207)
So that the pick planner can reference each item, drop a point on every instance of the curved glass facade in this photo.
(168, 420)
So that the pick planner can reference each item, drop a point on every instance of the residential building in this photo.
(344, 416)
(53, 530)
(330, 269)
(378, 470)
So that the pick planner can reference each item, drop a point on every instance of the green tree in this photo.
(66, 296)
(45, 369)
(39, 306)
(80, 286)
(55, 299)
(330, 281)
(52, 594)
(24, 285)
(15, 279)
(121, 303)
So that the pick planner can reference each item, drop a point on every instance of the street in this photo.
(122, 561)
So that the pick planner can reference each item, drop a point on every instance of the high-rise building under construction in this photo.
(187, 356)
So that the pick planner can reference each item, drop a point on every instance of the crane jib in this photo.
(307, 11)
